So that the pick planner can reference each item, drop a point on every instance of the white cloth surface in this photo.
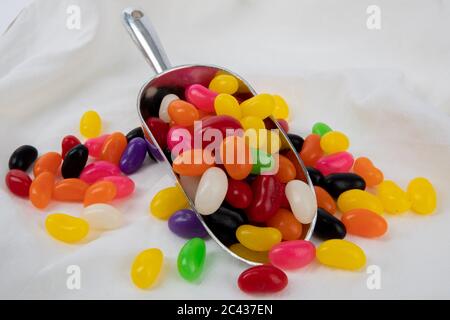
(387, 90)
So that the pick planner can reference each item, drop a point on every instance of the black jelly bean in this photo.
(316, 176)
(328, 226)
(135, 133)
(224, 222)
(337, 183)
(22, 157)
(168, 155)
(297, 141)
(74, 162)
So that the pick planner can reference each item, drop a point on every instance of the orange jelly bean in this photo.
(100, 192)
(72, 189)
(113, 147)
(48, 162)
(193, 162)
(311, 150)
(41, 189)
(236, 157)
(371, 174)
(324, 200)
(364, 223)
(285, 221)
(286, 170)
(298, 169)
(183, 113)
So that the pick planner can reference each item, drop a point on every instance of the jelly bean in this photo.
(328, 227)
(159, 130)
(102, 216)
(192, 162)
(183, 113)
(302, 201)
(393, 198)
(98, 170)
(260, 106)
(167, 201)
(258, 238)
(365, 168)
(236, 157)
(224, 83)
(294, 158)
(190, 185)
(90, 124)
(338, 183)
(185, 223)
(273, 141)
(164, 107)
(100, 192)
(341, 254)
(67, 143)
(72, 189)
(283, 124)
(212, 126)
(340, 162)
(224, 222)
(364, 223)
(94, 145)
(22, 157)
(290, 255)
(262, 279)
(191, 259)
(18, 182)
(334, 141)
(266, 198)
(74, 162)
(286, 170)
(281, 109)
(49, 162)
(296, 141)
(263, 162)
(286, 223)
(135, 133)
(181, 137)
(124, 185)
(358, 199)
(252, 122)
(321, 128)
(201, 97)
(316, 176)
(422, 195)
(146, 268)
(311, 150)
(211, 191)
(247, 254)
(239, 194)
(41, 189)
(113, 147)
(66, 228)
(324, 200)
(133, 156)
(284, 201)
(227, 105)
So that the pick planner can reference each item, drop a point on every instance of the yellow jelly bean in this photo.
(341, 254)
(422, 196)
(251, 122)
(359, 199)
(258, 238)
(273, 141)
(66, 228)
(146, 267)
(224, 83)
(241, 251)
(226, 104)
(333, 142)
(281, 110)
(260, 106)
(167, 201)
(393, 198)
(90, 124)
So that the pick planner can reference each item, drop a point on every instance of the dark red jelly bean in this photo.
(18, 182)
(239, 194)
(74, 161)
(284, 203)
(328, 226)
(267, 195)
(22, 157)
(159, 129)
(135, 133)
(262, 279)
(67, 143)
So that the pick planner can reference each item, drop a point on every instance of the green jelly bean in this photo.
(321, 128)
(191, 259)
(263, 161)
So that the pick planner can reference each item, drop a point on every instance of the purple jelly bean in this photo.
(133, 156)
(185, 223)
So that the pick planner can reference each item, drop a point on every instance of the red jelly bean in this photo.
(221, 123)
(239, 194)
(159, 129)
(262, 279)
(267, 195)
(67, 143)
(18, 182)
(201, 97)
(284, 201)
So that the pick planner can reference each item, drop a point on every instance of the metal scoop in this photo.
(178, 78)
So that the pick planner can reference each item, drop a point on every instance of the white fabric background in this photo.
(387, 89)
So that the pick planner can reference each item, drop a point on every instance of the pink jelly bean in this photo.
(335, 163)
(201, 97)
(94, 145)
(181, 136)
(294, 254)
(124, 185)
(97, 170)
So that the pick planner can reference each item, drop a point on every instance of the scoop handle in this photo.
(146, 39)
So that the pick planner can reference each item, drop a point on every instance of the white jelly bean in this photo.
(302, 201)
(211, 191)
(102, 216)
(163, 108)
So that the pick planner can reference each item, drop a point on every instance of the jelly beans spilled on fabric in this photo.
(146, 268)
(364, 223)
(290, 255)
(66, 228)
(167, 201)
(22, 158)
(262, 279)
(422, 195)
(18, 182)
(90, 124)
(341, 254)
(191, 259)
(185, 223)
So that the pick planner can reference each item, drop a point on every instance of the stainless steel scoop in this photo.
(178, 78)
